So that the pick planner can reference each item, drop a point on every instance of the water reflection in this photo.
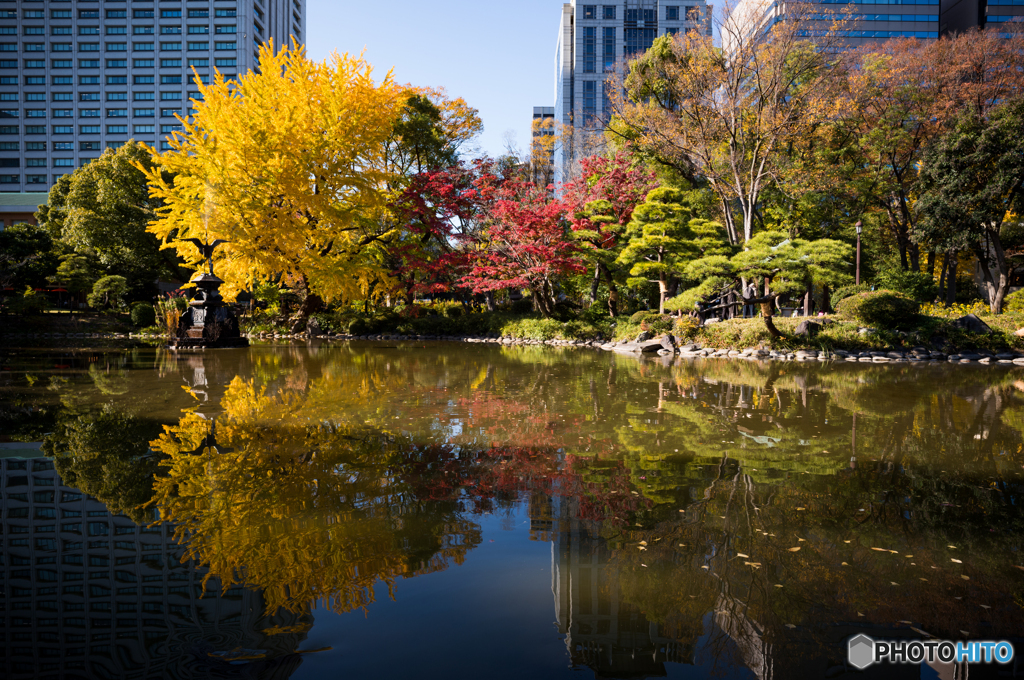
(738, 517)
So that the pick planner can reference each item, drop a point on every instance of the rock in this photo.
(1005, 356)
(646, 335)
(711, 321)
(972, 324)
(808, 328)
(1019, 332)
(689, 347)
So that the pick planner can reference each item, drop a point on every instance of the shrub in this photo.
(917, 285)
(143, 314)
(686, 327)
(1014, 302)
(640, 317)
(880, 308)
(840, 294)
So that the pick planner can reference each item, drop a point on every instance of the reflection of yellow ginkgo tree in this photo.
(304, 509)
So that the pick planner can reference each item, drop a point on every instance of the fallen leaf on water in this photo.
(966, 578)
(643, 542)
(682, 510)
(704, 567)
(755, 565)
(1017, 566)
(906, 622)
(741, 555)
(965, 633)
(802, 540)
(641, 547)
(957, 561)
(894, 552)
(984, 606)
(859, 614)
(642, 564)
(909, 556)
(682, 545)
(778, 585)
(845, 564)
(847, 541)
(790, 625)
(925, 580)
(951, 546)
(794, 549)
(880, 549)
(798, 509)
(913, 564)
(893, 583)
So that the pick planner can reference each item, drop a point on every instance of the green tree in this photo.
(777, 264)
(973, 179)
(106, 454)
(76, 273)
(108, 292)
(664, 235)
(103, 209)
(27, 256)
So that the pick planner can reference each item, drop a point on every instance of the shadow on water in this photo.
(735, 516)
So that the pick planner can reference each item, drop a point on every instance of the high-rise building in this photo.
(542, 149)
(77, 77)
(592, 42)
(874, 20)
(85, 593)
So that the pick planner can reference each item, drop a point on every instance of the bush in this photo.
(840, 294)
(1014, 302)
(686, 327)
(917, 285)
(143, 314)
(881, 309)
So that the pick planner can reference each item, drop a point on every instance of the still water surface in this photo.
(442, 511)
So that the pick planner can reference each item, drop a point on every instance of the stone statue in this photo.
(208, 322)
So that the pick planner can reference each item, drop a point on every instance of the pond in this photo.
(419, 509)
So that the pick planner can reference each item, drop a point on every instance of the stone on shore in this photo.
(972, 323)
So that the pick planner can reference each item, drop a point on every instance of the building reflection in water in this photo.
(612, 636)
(91, 595)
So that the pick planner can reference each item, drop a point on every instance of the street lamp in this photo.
(860, 228)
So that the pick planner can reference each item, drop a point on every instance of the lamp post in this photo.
(860, 228)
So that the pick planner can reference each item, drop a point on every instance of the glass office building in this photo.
(592, 40)
(80, 76)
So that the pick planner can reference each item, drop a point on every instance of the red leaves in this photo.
(615, 180)
(526, 241)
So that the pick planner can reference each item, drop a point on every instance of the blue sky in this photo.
(498, 56)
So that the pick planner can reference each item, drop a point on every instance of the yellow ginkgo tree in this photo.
(282, 164)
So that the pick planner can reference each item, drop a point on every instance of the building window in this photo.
(198, 47)
(170, 30)
(609, 12)
(589, 49)
(609, 48)
(117, 96)
(672, 13)
(144, 80)
(170, 80)
(225, 46)
(63, 162)
(589, 102)
(143, 96)
(589, 11)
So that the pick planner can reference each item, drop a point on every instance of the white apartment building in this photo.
(80, 76)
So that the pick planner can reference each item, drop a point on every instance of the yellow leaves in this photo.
(283, 164)
(755, 565)
(955, 561)
(796, 549)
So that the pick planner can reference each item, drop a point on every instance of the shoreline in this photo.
(662, 346)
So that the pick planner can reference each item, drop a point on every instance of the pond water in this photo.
(372, 510)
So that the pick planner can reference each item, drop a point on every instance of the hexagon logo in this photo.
(860, 651)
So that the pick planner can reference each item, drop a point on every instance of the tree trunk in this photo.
(766, 312)
(826, 300)
(951, 278)
(942, 276)
(489, 299)
(931, 263)
(662, 290)
(594, 284)
(613, 292)
(807, 299)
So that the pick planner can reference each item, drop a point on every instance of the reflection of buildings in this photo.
(87, 594)
(602, 630)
